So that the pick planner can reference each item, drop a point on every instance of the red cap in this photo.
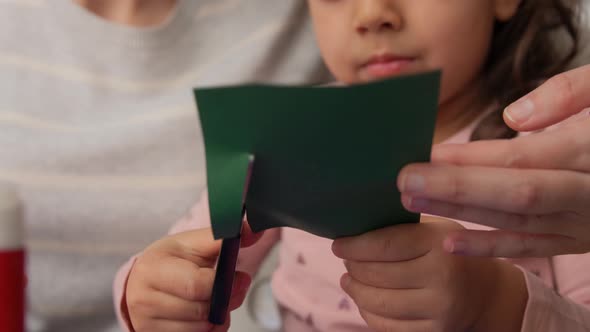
(11, 224)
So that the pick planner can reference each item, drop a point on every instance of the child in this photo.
(491, 52)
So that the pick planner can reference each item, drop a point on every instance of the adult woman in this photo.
(100, 134)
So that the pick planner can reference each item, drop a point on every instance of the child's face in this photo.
(364, 40)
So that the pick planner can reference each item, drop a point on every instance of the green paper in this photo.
(326, 158)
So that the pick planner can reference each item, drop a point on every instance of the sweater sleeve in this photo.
(564, 309)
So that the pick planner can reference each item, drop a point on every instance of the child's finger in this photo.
(393, 303)
(164, 306)
(181, 278)
(160, 305)
(378, 323)
(403, 275)
(168, 307)
(164, 325)
(391, 244)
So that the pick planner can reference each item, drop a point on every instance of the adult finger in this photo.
(392, 244)
(565, 148)
(559, 98)
(510, 244)
(555, 223)
(391, 303)
(504, 189)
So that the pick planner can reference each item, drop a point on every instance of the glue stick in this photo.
(12, 263)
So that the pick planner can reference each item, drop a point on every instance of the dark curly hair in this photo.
(539, 42)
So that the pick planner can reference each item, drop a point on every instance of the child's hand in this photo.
(402, 280)
(169, 287)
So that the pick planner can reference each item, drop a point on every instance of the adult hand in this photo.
(535, 189)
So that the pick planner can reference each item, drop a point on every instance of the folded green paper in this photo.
(326, 158)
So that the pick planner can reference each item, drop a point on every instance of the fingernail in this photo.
(345, 280)
(413, 183)
(415, 204)
(521, 111)
(419, 204)
(457, 247)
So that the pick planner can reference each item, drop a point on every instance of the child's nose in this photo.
(376, 16)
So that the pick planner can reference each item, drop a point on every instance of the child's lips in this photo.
(387, 65)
